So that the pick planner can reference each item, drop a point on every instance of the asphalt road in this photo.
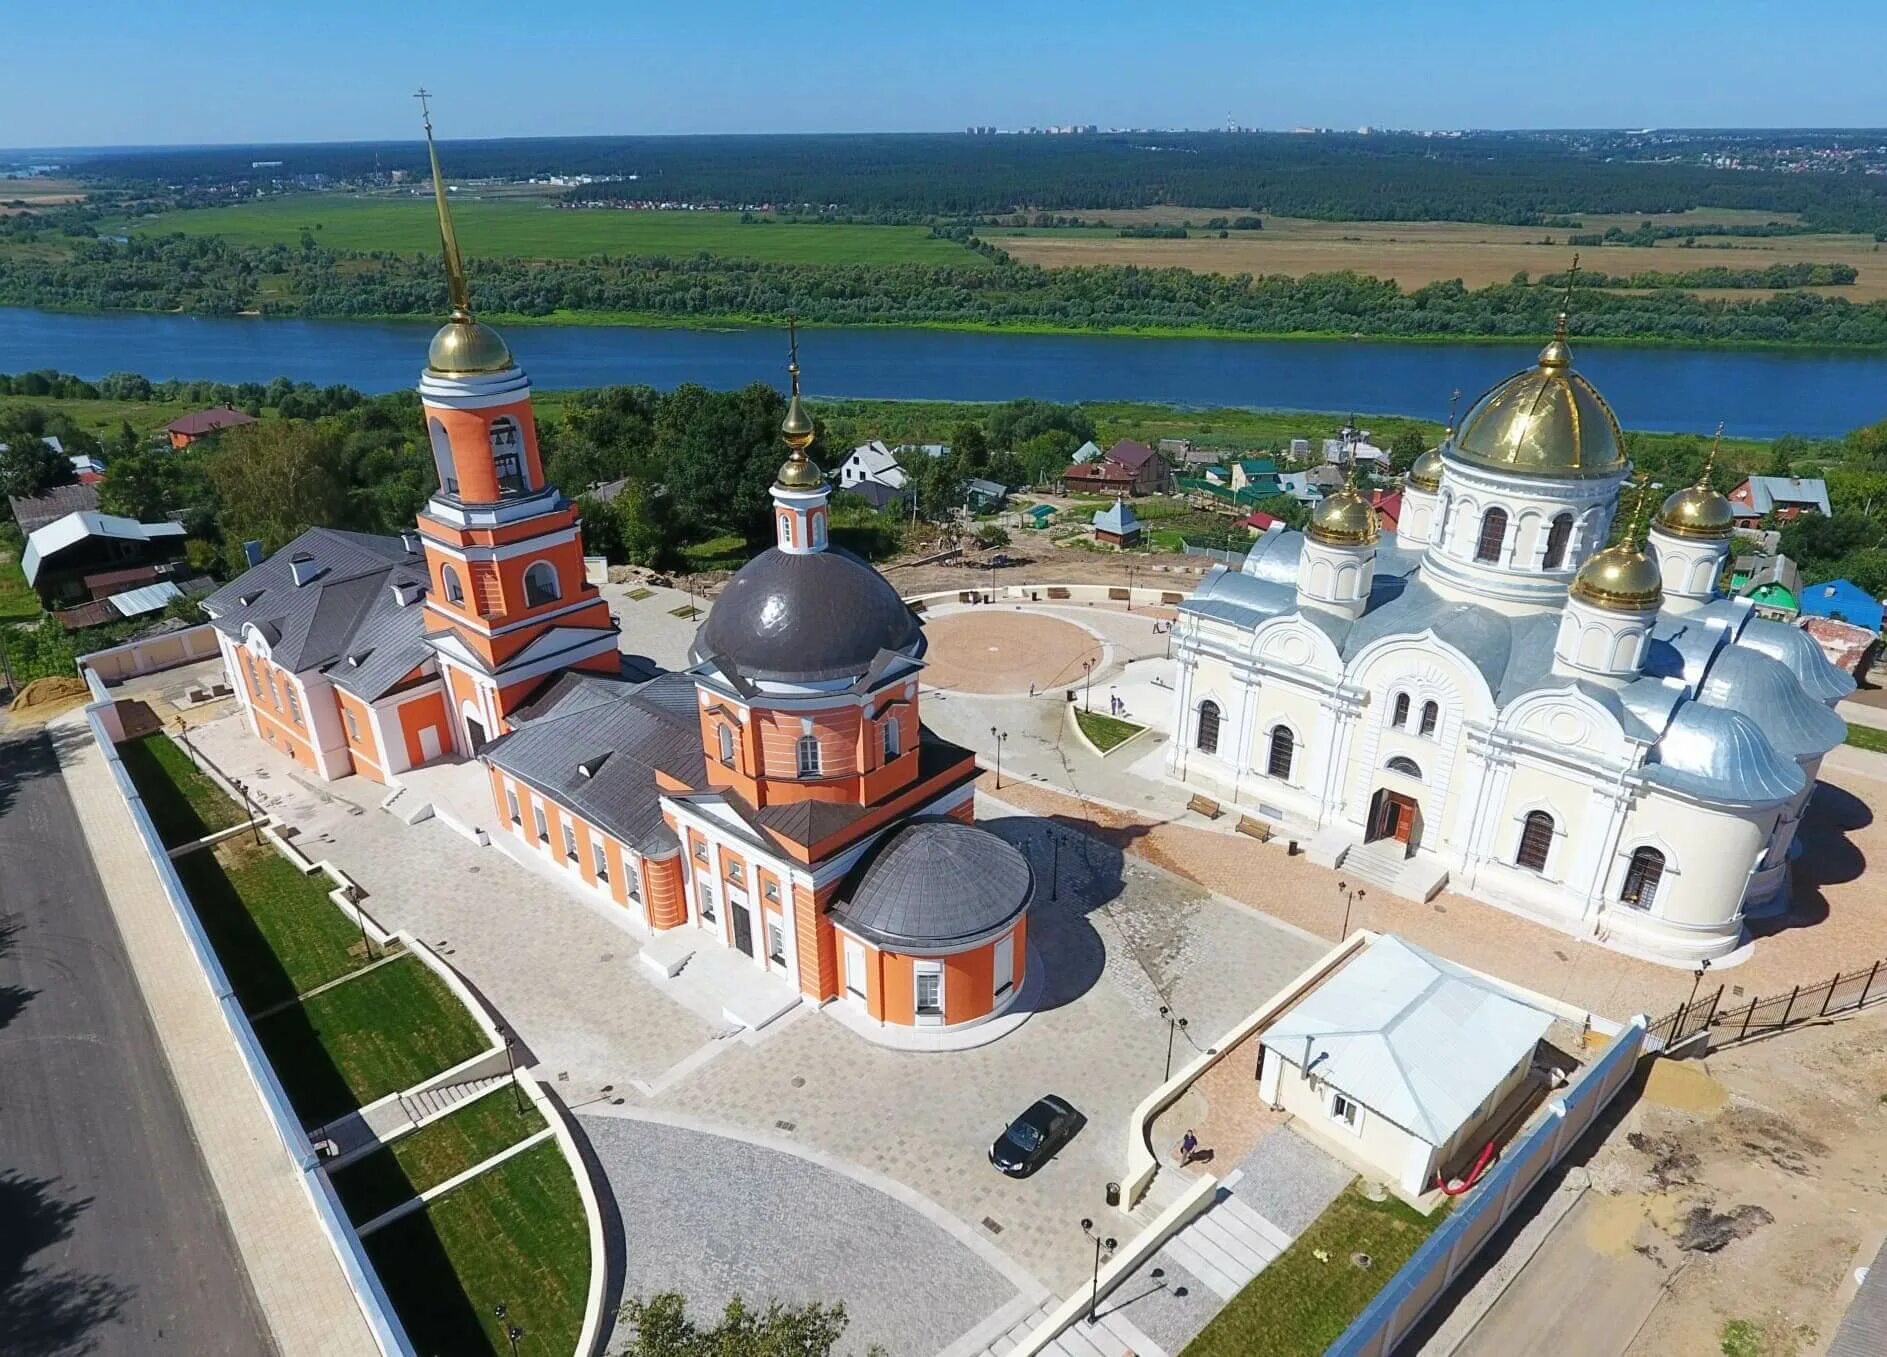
(111, 1236)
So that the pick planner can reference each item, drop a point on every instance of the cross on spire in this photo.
(1566, 300)
(792, 351)
(1454, 400)
(456, 290)
(1710, 459)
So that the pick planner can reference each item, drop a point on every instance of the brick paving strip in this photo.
(1841, 834)
(299, 1284)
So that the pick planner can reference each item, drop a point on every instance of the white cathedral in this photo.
(1493, 701)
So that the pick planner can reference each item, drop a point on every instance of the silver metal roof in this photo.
(1744, 680)
(1718, 755)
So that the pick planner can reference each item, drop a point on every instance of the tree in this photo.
(1405, 447)
(1017, 421)
(28, 466)
(661, 1328)
(140, 484)
(968, 442)
(989, 536)
(277, 479)
(1046, 455)
(718, 452)
(1867, 444)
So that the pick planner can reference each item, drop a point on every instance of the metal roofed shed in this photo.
(1401, 1060)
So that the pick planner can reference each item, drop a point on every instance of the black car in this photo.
(1032, 1139)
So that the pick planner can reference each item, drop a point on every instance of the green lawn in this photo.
(440, 1150)
(382, 1031)
(513, 1236)
(1299, 1305)
(726, 552)
(536, 230)
(1106, 732)
(273, 926)
(1866, 737)
(185, 805)
(18, 602)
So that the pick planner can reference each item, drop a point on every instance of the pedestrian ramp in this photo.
(1227, 1244)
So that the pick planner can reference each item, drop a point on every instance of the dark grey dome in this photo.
(805, 617)
(934, 883)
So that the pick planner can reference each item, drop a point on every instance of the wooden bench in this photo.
(919, 606)
(1119, 595)
(1172, 598)
(1205, 806)
(968, 596)
(1057, 592)
(1258, 829)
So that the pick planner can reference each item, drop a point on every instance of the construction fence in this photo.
(1730, 1018)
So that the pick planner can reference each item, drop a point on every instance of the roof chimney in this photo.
(410, 540)
(302, 568)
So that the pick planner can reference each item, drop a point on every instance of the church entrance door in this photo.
(1392, 817)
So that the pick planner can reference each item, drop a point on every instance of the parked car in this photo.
(1033, 1138)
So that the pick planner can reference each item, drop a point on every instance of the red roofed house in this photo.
(1261, 522)
(187, 430)
(1388, 507)
(1127, 468)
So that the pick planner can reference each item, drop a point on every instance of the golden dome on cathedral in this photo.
(1344, 519)
(1425, 471)
(1545, 421)
(464, 347)
(1621, 578)
(798, 471)
(1699, 510)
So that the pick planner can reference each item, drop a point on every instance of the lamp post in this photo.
(1087, 685)
(511, 1070)
(1130, 586)
(998, 738)
(1100, 1244)
(360, 917)
(1350, 897)
(1696, 979)
(1172, 1023)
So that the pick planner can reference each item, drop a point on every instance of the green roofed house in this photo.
(1039, 515)
(1773, 584)
(1256, 471)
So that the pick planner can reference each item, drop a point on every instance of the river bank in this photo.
(1757, 394)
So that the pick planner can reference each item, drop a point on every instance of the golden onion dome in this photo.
(1697, 511)
(1344, 519)
(464, 347)
(1622, 579)
(1546, 421)
(799, 472)
(1425, 471)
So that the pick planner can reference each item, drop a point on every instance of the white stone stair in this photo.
(1385, 865)
(1110, 1335)
(432, 1101)
(1227, 1245)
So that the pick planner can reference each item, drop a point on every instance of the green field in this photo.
(515, 1235)
(384, 1030)
(273, 926)
(535, 230)
(437, 1151)
(183, 803)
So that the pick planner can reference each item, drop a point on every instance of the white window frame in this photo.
(511, 804)
(569, 841)
(724, 736)
(776, 950)
(704, 900)
(891, 735)
(1005, 976)
(1346, 1112)
(541, 824)
(920, 972)
(808, 769)
(599, 858)
(353, 726)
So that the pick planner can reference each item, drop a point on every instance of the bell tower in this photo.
(508, 603)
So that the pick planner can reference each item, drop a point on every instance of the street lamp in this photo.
(1087, 681)
(1350, 897)
(998, 738)
(1696, 979)
(512, 1331)
(1130, 586)
(360, 917)
(1108, 1244)
(511, 1072)
(1172, 1023)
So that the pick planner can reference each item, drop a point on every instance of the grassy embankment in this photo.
(1299, 1304)
(515, 1233)
(1106, 732)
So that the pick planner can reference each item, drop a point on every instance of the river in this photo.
(1757, 393)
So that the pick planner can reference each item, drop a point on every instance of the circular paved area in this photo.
(1004, 651)
(714, 1218)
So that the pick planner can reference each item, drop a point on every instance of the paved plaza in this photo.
(1114, 937)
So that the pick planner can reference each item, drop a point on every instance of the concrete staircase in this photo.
(1227, 1245)
(431, 1101)
(1384, 865)
(1110, 1335)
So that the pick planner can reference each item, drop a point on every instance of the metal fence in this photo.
(1739, 1020)
(1222, 555)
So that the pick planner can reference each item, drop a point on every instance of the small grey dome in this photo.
(934, 883)
(802, 617)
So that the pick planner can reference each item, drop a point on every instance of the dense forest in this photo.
(1514, 178)
(210, 275)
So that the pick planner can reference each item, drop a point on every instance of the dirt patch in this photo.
(1006, 652)
(1707, 1231)
(1684, 1085)
(45, 698)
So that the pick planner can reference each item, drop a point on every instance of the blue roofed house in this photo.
(1117, 526)
(1843, 600)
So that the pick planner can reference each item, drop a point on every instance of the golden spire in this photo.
(456, 290)
(1454, 401)
(1637, 521)
(798, 471)
(1710, 459)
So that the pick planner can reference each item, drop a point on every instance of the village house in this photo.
(1784, 496)
(1116, 526)
(189, 428)
(60, 555)
(1127, 468)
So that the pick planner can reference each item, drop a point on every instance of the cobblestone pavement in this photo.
(714, 1218)
(1116, 940)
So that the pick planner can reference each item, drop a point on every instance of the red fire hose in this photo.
(1481, 1166)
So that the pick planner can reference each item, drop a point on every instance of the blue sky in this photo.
(132, 71)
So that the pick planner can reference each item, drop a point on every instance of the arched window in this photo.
(442, 456)
(1557, 537)
(1431, 713)
(1208, 740)
(1401, 717)
(1536, 839)
(455, 591)
(724, 735)
(1406, 767)
(1283, 745)
(507, 455)
(808, 755)
(1493, 535)
(1642, 877)
(891, 739)
(540, 584)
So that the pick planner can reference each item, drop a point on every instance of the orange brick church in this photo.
(780, 795)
